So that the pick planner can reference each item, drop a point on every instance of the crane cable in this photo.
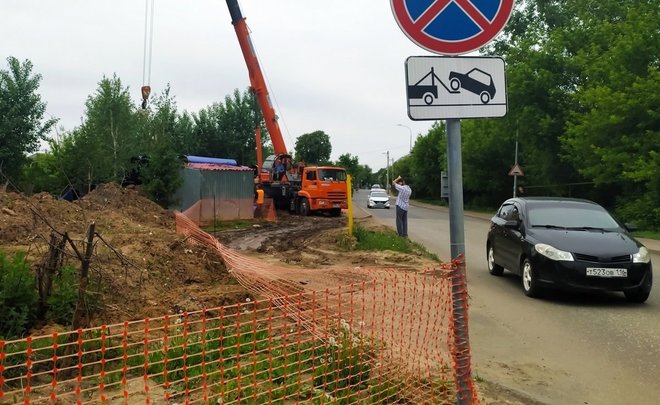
(146, 63)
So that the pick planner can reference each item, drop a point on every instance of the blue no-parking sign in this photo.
(451, 27)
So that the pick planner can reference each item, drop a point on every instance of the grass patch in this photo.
(647, 234)
(370, 240)
(235, 224)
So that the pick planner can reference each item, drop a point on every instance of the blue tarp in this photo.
(215, 161)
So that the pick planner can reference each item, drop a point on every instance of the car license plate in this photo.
(335, 205)
(604, 272)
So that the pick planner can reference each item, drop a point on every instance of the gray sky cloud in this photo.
(332, 66)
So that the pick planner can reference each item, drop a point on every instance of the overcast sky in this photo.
(335, 66)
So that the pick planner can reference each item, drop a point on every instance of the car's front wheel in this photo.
(493, 268)
(641, 294)
(529, 282)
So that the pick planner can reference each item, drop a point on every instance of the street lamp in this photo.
(409, 130)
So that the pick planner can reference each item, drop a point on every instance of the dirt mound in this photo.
(144, 268)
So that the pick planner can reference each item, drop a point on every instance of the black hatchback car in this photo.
(567, 243)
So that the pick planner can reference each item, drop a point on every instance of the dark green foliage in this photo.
(162, 175)
(227, 130)
(63, 297)
(361, 174)
(21, 116)
(18, 296)
(41, 173)
(100, 150)
(427, 163)
(313, 148)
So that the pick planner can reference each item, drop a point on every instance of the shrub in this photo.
(18, 296)
(63, 297)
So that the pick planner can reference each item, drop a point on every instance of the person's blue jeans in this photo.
(401, 221)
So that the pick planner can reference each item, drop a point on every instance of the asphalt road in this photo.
(564, 348)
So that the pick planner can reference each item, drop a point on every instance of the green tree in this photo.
(364, 176)
(42, 174)
(350, 163)
(313, 147)
(228, 129)
(22, 123)
(424, 168)
(111, 129)
(183, 136)
(73, 156)
(160, 134)
(361, 174)
(613, 134)
(100, 150)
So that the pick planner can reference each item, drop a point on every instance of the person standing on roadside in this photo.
(402, 205)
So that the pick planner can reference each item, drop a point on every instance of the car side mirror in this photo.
(631, 227)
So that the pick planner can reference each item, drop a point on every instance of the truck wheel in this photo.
(428, 99)
(303, 207)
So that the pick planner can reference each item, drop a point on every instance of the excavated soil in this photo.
(143, 267)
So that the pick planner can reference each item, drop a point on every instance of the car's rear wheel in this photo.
(529, 282)
(641, 294)
(493, 268)
(485, 97)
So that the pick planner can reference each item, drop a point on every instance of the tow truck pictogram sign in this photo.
(455, 87)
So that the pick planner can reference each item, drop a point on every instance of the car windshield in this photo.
(480, 76)
(578, 216)
(378, 194)
(332, 174)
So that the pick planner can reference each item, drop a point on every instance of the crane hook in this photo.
(146, 91)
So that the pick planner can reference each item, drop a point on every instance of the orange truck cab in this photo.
(303, 189)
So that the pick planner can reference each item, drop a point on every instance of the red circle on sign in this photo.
(415, 29)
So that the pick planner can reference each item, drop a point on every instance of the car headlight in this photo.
(553, 253)
(642, 256)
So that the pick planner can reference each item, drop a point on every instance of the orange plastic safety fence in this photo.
(374, 341)
(384, 339)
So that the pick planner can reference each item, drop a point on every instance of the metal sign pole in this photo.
(457, 242)
(515, 176)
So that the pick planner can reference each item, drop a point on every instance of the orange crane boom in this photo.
(257, 81)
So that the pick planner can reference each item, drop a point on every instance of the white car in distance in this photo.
(378, 198)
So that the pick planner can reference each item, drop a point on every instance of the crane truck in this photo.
(299, 188)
